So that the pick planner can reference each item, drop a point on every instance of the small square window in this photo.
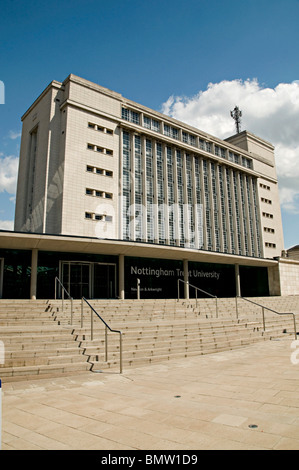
(88, 215)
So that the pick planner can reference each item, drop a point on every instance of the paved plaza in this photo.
(245, 399)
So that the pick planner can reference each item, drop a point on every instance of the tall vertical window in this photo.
(223, 209)
(138, 189)
(160, 189)
(256, 214)
(244, 215)
(230, 210)
(180, 186)
(238, 213)
(215, 207)
(149, 191)
(198, 201)
(190, 200)
(170, 191)
(126, 185)
(207, 205)
(250, 214)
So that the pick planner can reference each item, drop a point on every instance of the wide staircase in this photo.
(50, 338)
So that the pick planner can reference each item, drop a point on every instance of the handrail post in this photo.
(120, 353)
(62, 300)
(82, 312)
(72, 310)
(295, 329)
(178, 289)
(263, 311)
(106, 344)
(92, 310)
(138, 289)
(55, 288)
(91, 324)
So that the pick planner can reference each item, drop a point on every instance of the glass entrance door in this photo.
(76, 279)
(104, 281)
(90, 280)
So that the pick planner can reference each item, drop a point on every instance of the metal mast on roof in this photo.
(236, 114)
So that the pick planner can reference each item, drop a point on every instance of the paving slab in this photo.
(245, 399)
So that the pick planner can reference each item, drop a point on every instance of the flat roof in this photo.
(77, 244)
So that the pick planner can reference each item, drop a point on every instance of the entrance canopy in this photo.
(102, 268)
(65, 243)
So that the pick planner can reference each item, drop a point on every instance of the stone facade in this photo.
(90, 157)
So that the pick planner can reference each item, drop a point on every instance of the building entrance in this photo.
(87, 279)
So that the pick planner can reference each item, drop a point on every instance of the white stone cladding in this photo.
(90, 155)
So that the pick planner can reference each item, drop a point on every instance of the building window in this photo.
(99, 149)
(151, 124)
(126, 185)
(189, 139)
(171, 132)
(246, 162)
(99, 171)
(264, 186)
(96, 127)
(267, 201)
(130, 115)
(97, 217)
(267, 215)
(270, 245)
(97, 193)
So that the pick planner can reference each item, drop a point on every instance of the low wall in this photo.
(289, 276)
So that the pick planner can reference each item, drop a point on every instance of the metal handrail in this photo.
(62, 296)
(271, 310)
(107, 327)
(196, 289)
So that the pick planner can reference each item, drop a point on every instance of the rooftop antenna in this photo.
(236, 114)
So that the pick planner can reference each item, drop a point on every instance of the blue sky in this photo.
(161, 53)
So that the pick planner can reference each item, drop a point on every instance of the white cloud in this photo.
(14, 135)
(6, 224)
(270, 113)
(8, 174)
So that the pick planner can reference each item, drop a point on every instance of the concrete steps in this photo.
(40, 339)
(35, 344)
